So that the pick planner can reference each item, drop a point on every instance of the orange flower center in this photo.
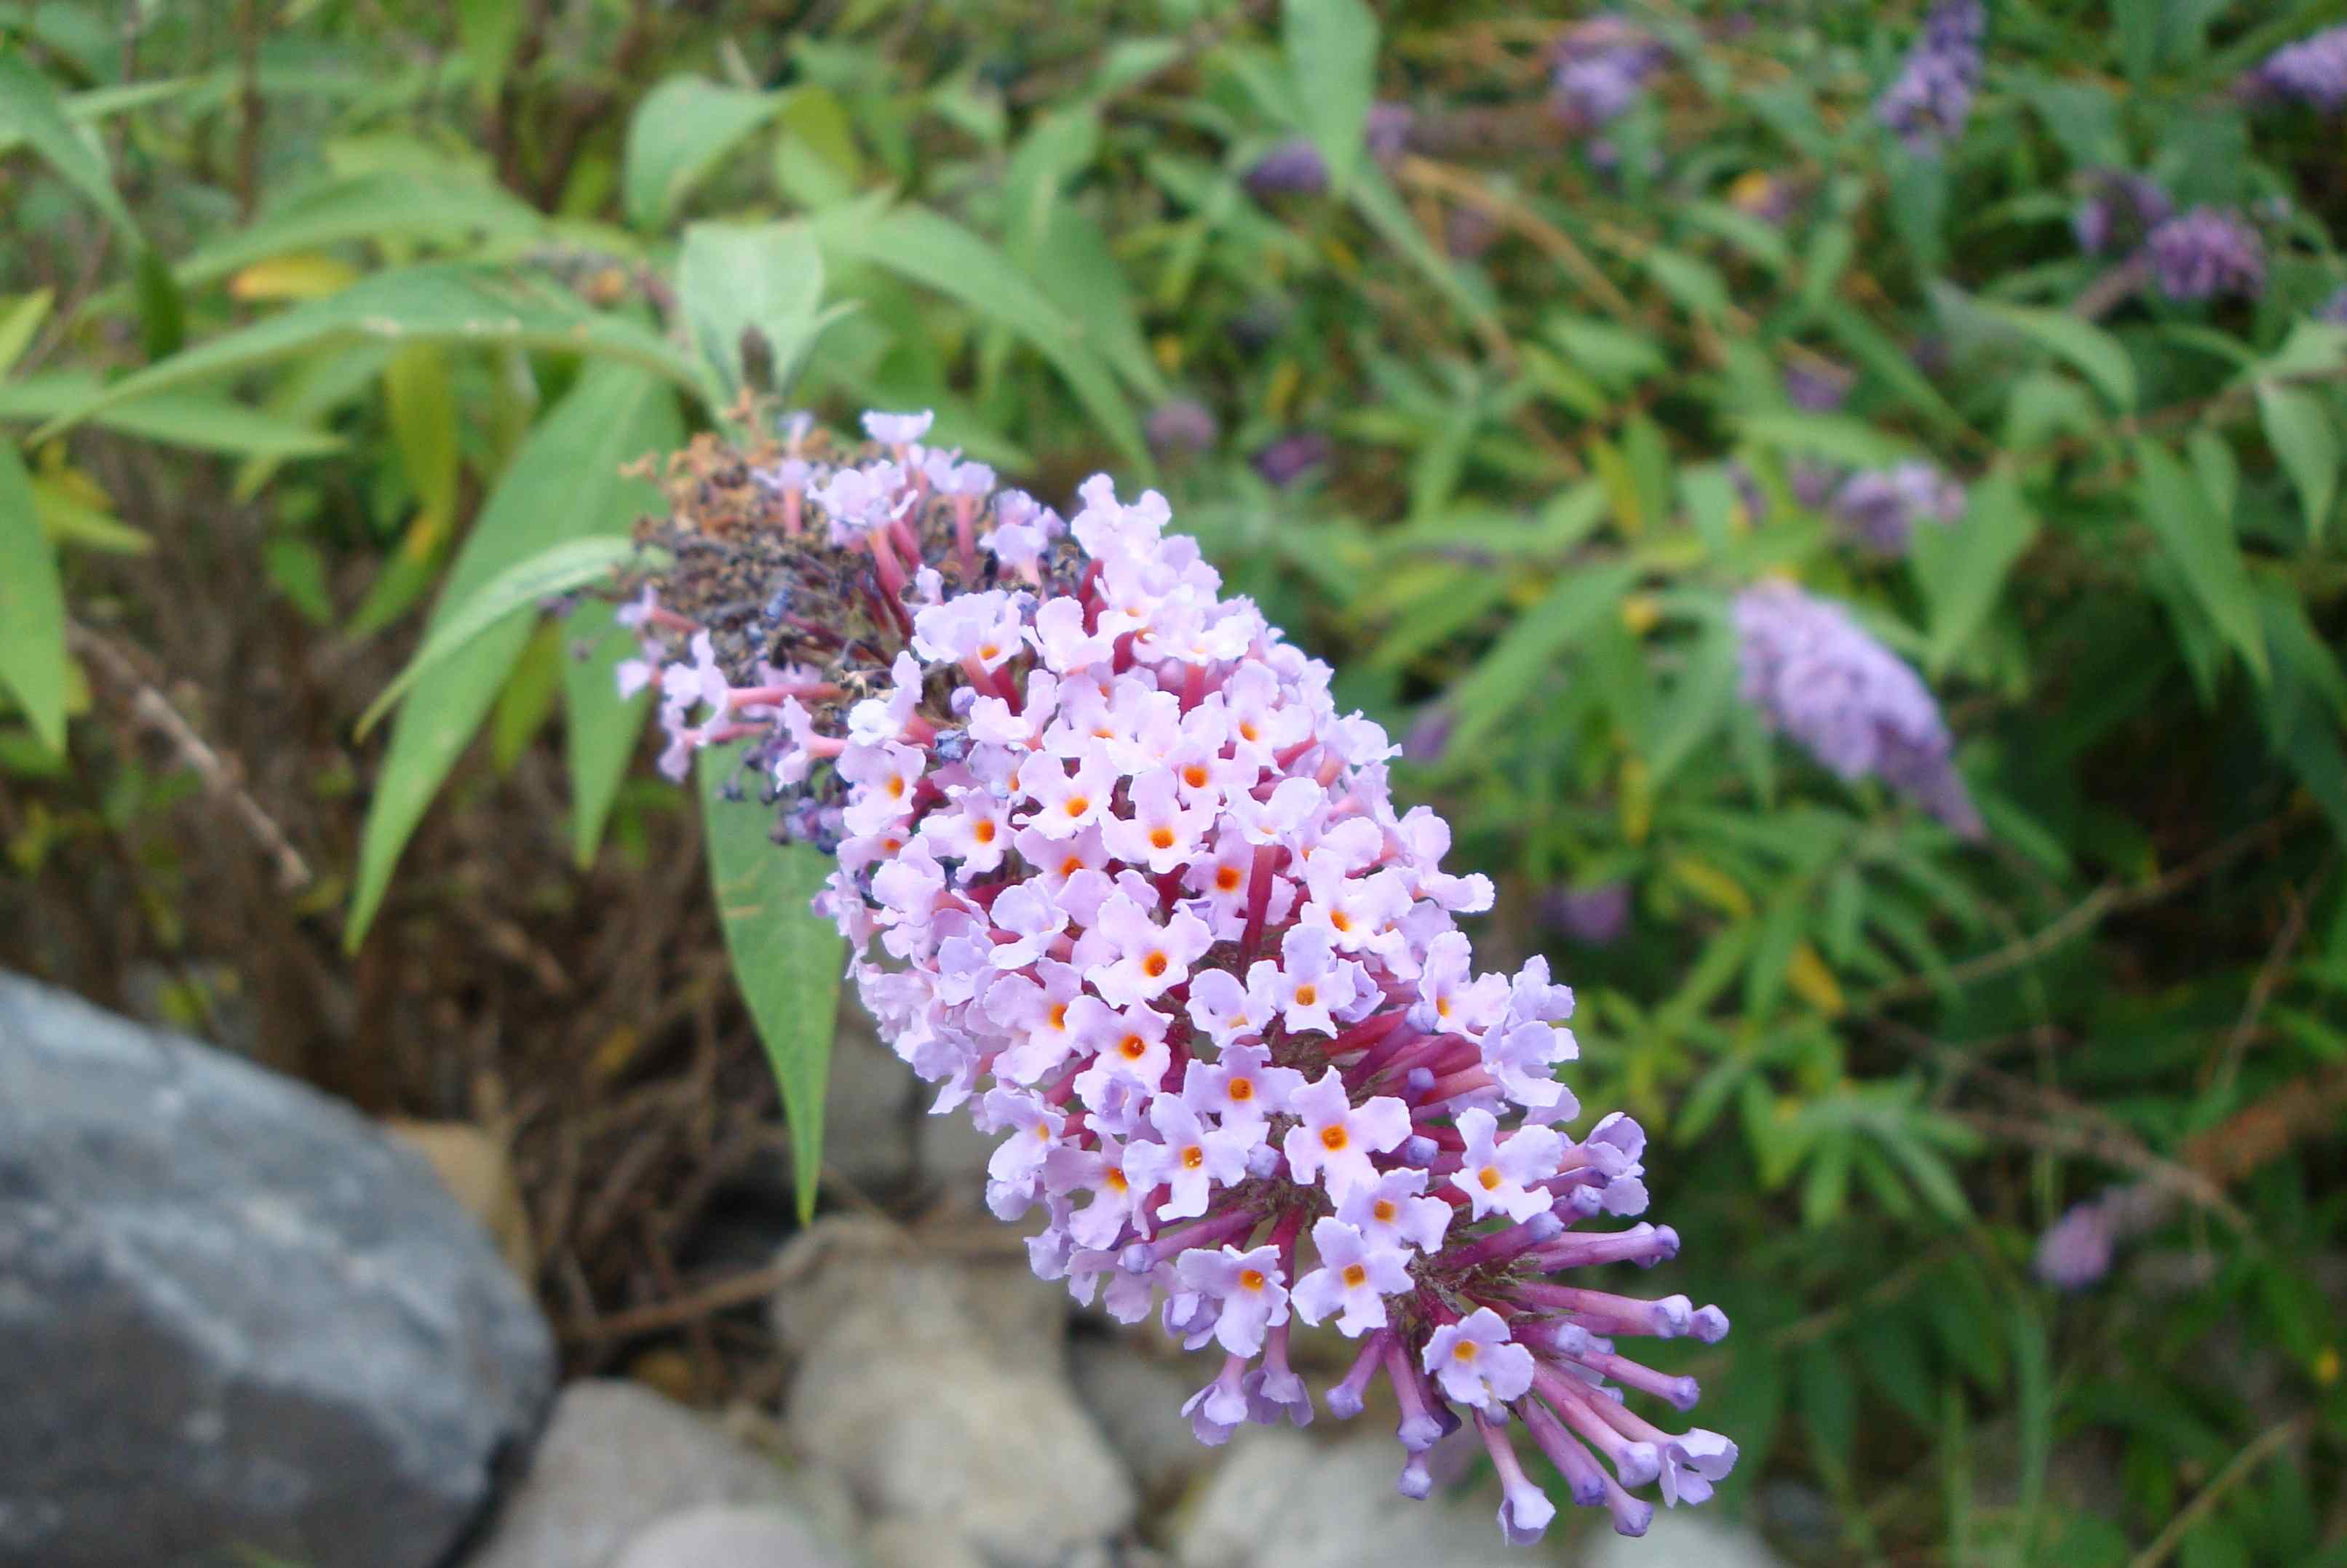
(1306, 995)
(1058, 1015)
(1115, 1179)
(1133, 1048)
(1464, 1350)
(1489, 1176)
(1384, 1210)
(1252, 1279)
(1227, 880)
(1161, 838)
(895, 786)
(1154, 965)
(1332, 1137)
(1196, 775)
(1078, 805)
(1339, 919)
(1355, 1276)
(1072, 865)
(984, 831)
(1193, 1157)
(1241, 1090)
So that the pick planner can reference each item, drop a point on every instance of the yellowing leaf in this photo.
(1713, 886)
(1813, 982)
(1640, 613)
(1637, 800)
(308, 276)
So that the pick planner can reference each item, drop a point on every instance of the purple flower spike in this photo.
(2203, 254)
(1291, 457)
(1598, 69)
(1811, 671)
(2313, 71)
(1881, 506)
(1182, 424)
(1120, 880)
(1929, 101)
(2120, 209)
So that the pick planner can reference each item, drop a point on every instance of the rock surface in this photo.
(739, 1535)
(1680, 1538)
(616, 1460)
(473, 1166)
(233, 1313)
(1280, 1496)
(1137, 1398)
(936, 1387)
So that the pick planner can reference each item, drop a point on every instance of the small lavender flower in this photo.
(1881, 506)
(2077, 1249)
(1598, 69)
(1817, 386)
(2120, 209)
(1182, 424)
(2334, 309)
(1294, 167)
(1591, 917)
(1290, 457)
(2313, 71)
(2200, 254)
(1931, 98)
(1811, 671)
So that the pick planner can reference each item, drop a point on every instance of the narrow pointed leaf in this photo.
(32, 607)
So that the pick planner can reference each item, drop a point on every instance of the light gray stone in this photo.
(935, 1386)
(616, 1458)
(1280, 1496)
(870, 1106)
(1137, 1398)
(734, 1535)
(1680, 1538)
(233, 1313)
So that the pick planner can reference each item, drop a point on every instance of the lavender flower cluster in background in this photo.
(1811, 671)
(1598, 67)
(2334, 309)
(1878, 508)
(1929, 101)
(2205, 253)
(2119, 212)
(2313, 71)
(1294, 167)
(2076, 1250)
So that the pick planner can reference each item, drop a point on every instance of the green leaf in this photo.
(199, 421)
(734, 280)
(2198, 540)
(421, 401)
(489, 30)
(2299, 428)
(680, 131)
(445, 302)
(1694, 284)
(937, 253)
(380, 204)
(1381, 207)
(1332, 59)
(19, 322)
(32, 607)
(30, 112)
(1843, 437)
(599, 728)
(527, 698)
(162, 312)
(1512, 672)
(2098, 356)
(786, 958)
(563, 485)
(1962, 568)
(556, 570)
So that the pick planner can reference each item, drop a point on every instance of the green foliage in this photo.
(1554, 376)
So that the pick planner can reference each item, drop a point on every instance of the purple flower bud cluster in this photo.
(1817, 386)
(1598, 67)
(1292, 457)
(2207, 252)
(1929, 101)
(1295, 166)
(2077, 1249)
(1181, 424)
(1881, 506)
(2120, 211)
(1591, 917)
(1122, 883)
(2313, 71)
(1811, 670)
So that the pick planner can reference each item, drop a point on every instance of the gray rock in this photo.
(935, 1386)
(616, 1458)
(1137, 1398)
(871, 1107)
(233, 1313)
(718, 1536)
(1277, 1496)
(1680, 1538)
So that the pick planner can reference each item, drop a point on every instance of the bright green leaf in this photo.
(786, 958)
(199, 421)
(734, 280)
(32, 607)
(2198, 540)
(378, 205)
(599, 727)
(2098, 356)
(680, 131)
(563, 485)
(2298, 427)
(1962, 567)
(447, 303)
(30, 112)
(1332, 60)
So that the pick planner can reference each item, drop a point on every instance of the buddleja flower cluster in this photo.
(1125, 886)
(1929, 101)
(2313, 71)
